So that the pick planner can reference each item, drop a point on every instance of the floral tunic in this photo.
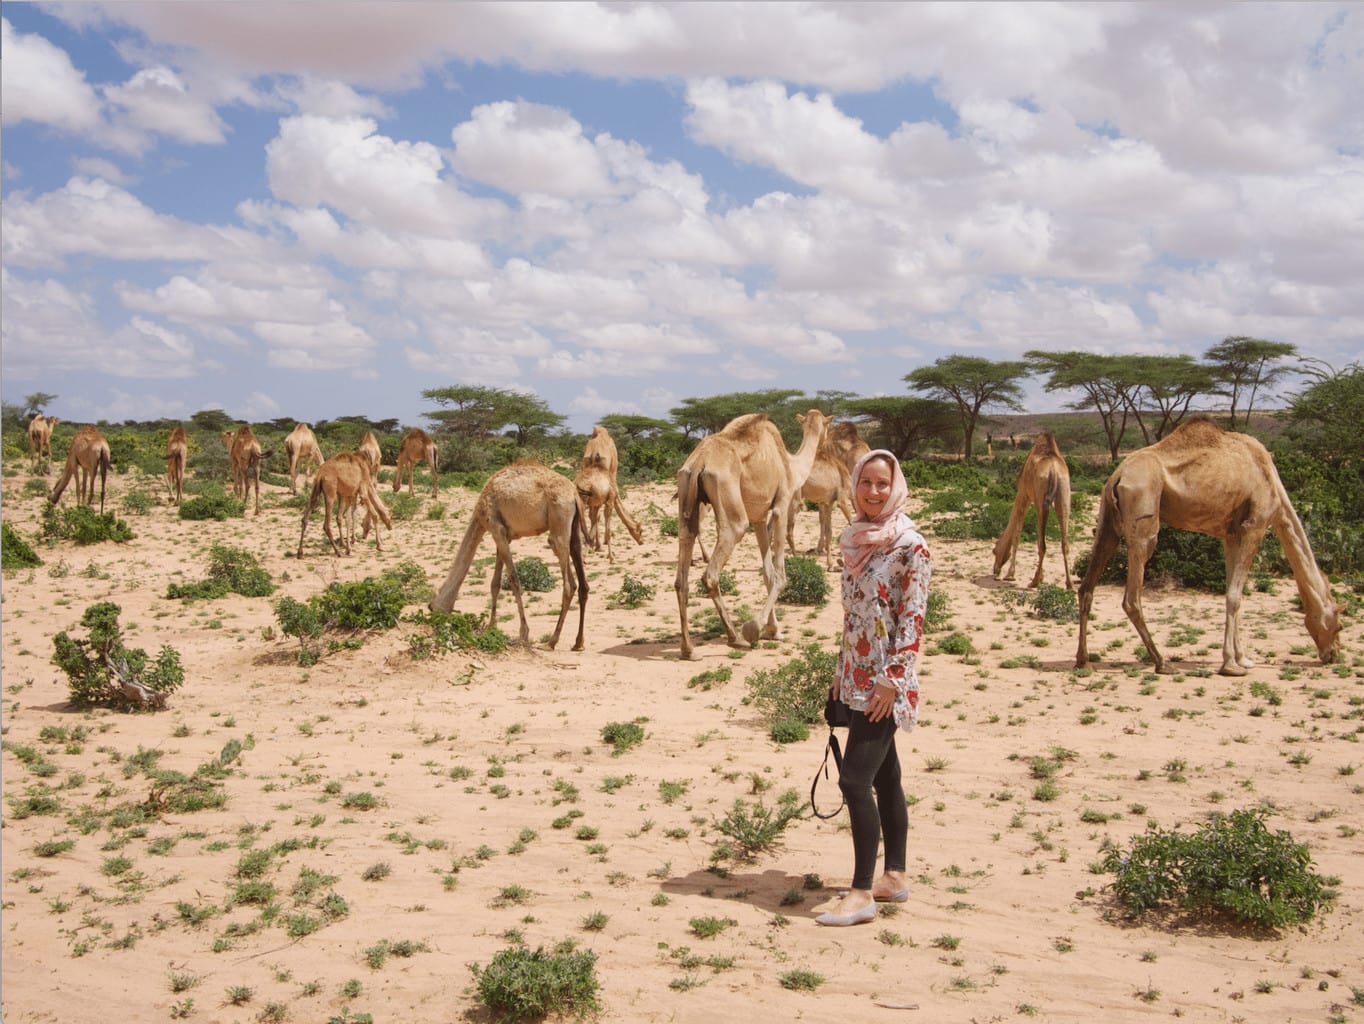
(883, 621)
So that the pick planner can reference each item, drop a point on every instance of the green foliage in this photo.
(520, 985)
(402, 506)
(453, 631)
(137, 503)
(533, 575)
(212, 502)
(789, 730)
(1232, 866)
(806, 582)
(83, 525)
(795, 690)
(1181, 558)
(1056, 603)
(623, 735)
(230, 571)
(301, 621)
(937, 614)
(15, 552)
(371, 603)
(96, 665)
(955, 643)
(632, 594)
(667, 527)
(725, 583)
(754, 828)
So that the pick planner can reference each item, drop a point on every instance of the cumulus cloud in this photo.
(157, 100)
(527, 147)
(39, 83)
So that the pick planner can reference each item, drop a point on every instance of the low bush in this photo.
(1181, 558)
(521, 985)
(101, 670)
(15, 552)
(623, 735)
(533, 575)
(230, 571)
(806, 582)
(795, 690)
(1232, 866)
(453, 631)
(212, 502)
(754, 828)
(632, 594)
(83, 525)
(725, 583)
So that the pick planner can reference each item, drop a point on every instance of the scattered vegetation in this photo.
(230, 571)
(83, 525)
(794, 691)
(623, 735)
(212, 502)
(15, 552)
(101, 670)
(806, 582)
(522, 985)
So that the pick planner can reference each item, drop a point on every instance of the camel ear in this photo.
(800, 418)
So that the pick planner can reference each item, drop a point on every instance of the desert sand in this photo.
(462, 804)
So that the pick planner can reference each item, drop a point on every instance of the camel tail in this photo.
(103, 476)
(1053, 492)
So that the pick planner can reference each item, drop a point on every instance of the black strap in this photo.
(824, 769)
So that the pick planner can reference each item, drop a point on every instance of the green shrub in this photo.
(1056, 603)
(230, 571)
(35, 488)
(937, 614)
(83, 525)
(97, 665)
(725, 583)
(453, 631)
(138, 503)
(533, 575)
(954, 643)
(632, 593)
(401, 505)
(796, 689)
(754, 828)
(1181, 557)
(520, 985)
(301, 621)
(667, 527)
(789, 730)
(806, 582)
(15, 552)
(623, 735)
(212, 503)
(1233, 866)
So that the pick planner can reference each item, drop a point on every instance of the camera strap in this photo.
(837, 751)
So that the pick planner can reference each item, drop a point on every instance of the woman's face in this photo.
(873, 488)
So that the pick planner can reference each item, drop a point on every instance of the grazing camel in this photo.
(523, 499)
(40, 439)
(301, 447)
(346, 480)
(597, 489)
(747, 477)
(417, 447)
(89, 453)
(369, 447)
(177, 454)
(1044, 482)
(246, 456)
(829, 484)
(847, 443)
(1201, 478)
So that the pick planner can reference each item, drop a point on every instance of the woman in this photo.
(886, 569)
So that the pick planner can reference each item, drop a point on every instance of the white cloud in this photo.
(335, 345)
(39, 83)
(157, 100)
(527, 147)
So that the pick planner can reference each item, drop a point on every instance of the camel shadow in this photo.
(773, 890)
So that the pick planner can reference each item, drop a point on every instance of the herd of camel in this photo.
(1197, 478)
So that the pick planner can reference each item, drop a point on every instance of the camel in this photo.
(848, 443)
(1044, 482)
(417, 447)
(369, 447)
(523, 499)
(247, 456)
(1201, 478)
(747, 477)
(829, 484)
(346, 480)
(598, 491)
(177, 454)
(40, 439)
(89, 453)
(301, 447)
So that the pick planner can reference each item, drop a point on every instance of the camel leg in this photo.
(770, 537)
(307, 511)
(558, 543)
(1141, 542)
(1041, 544)
(504, 560)
(685, 540)
(606, 529)
(1105, 543)
(1240, 551)
(1063, 524)
(327, 521)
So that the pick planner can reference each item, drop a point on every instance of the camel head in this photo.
(1002, 549)
(1324, 626)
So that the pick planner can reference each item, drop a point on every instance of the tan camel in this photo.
(1224, 485)
(598, 491)
(177, 454)
(417, 447)
(1043, 483)
(848, 443)
(89, 453)
(40, 439)
(302, 449)
(345, 481)
(369, 447)
(246, 456)
(524, 499)
(829, 484)
(747, 477)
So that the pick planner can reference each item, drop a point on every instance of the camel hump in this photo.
(748, 425)
(1198, 431)
(1045, 444)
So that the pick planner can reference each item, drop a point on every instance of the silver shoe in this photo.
(862, 916)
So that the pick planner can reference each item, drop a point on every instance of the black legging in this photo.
(871, 762)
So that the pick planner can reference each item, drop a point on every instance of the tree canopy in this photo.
(1243, 366)
(975, 385)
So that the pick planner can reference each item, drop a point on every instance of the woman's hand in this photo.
(882, 702)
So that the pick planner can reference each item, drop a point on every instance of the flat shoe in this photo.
(867, 913)
(896, 897)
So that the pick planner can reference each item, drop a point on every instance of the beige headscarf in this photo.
(863, 537)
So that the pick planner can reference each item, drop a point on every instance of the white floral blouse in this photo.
(883, 622)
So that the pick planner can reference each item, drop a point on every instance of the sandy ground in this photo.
(500, 815)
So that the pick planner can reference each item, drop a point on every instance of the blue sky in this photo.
(306, 210)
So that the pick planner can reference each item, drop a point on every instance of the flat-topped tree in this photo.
(975, 385)
(1245, 366)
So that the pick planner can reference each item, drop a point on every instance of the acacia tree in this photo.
(35, 403)
(1160, 389)
(1245, 365)
(903, 425)
(1328, 412)
(974, 384)
(707, 415)
(1101, 381)
(477, 413)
